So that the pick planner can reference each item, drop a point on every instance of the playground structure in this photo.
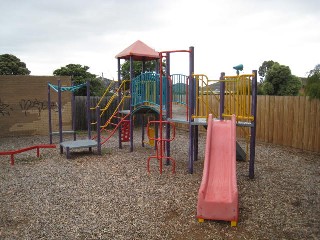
(178, 98)
(170, 98)
(84, 143)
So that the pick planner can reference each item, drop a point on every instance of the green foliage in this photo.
(11, 65)
(150, 66)
(279, 81)
(313, 83)
(266, 65)
(79, 74)
(268, 88)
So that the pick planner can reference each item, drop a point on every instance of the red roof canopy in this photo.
(139, 51)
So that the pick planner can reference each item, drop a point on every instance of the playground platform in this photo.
(67, 145)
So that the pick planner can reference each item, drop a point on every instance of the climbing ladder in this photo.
(161, 145)
(119, 117)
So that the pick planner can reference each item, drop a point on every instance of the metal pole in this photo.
(222, 90)
(142, 128)
(73, 115)
(253, 128)
(168, 106)
(88, 110)
(49, 114)
(98, 129)
(119, 100)
(191, 108)
(131, 108)
(60, 115)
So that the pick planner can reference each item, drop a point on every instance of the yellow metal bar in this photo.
(104, 94)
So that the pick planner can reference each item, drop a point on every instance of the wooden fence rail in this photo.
(292, 121)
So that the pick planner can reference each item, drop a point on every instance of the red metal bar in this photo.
(11, 153)
(161, 146)
(175, 51)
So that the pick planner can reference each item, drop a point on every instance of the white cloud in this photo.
(49, 34)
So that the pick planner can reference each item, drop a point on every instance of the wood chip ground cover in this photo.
(113, 197)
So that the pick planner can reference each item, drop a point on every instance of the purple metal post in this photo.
(142, 130)
(191, 108)
(156, 126)
(88, 110)
(131, 108)
(73, 115)
(196, 142)
(49, 114)
(119, 100)
(222, 90)
(142, 116)
(60, 114)
(168, 106)
(253, 128)
(98, 130)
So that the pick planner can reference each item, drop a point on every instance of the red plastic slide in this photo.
(218, 193)
(13, 152)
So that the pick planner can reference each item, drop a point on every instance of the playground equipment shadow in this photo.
(112, 196)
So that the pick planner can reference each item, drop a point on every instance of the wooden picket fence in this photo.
(292, 121)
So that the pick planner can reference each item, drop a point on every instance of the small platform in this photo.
(77, 144)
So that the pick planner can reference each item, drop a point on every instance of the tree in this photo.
(313, 83)
(79, 74)
(279, 81)
(11, 65)
(266, 65)
(150, 66)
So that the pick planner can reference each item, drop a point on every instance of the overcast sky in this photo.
(49, 34)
